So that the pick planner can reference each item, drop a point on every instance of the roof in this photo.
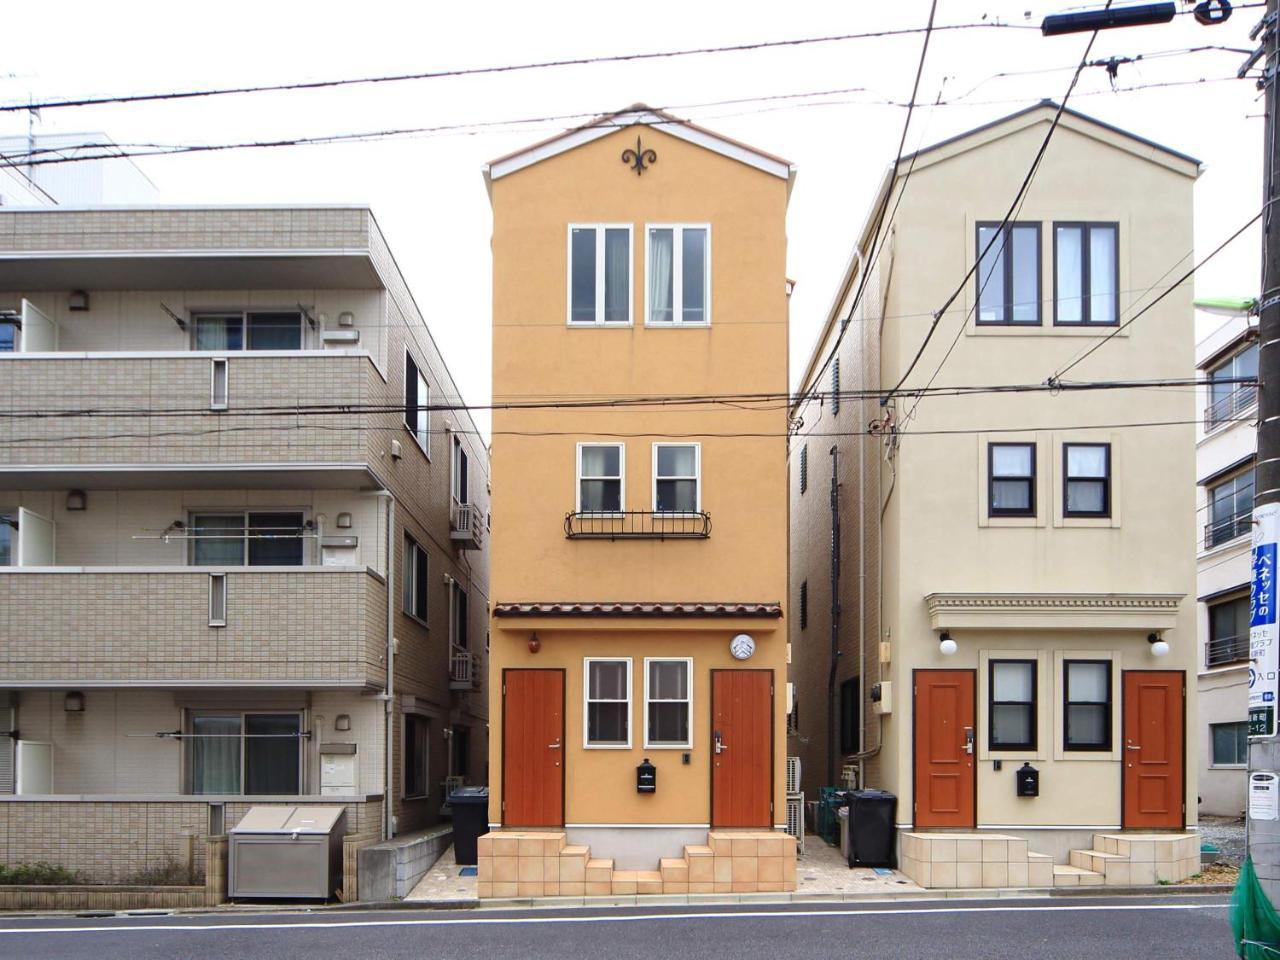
(637, 608)
(639, 113)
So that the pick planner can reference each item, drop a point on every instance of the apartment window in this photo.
(8, 537)
(1087, 480)
(676, 469)
(1228, 632)
(255, 754)
(1011, 479)
(850, 729)
(668, 703)
(1226, 397)
(1012, 721)
(835, 386)
(458, 616)
(459, 474)
(600, 477)
(1009, 273)
(417, 400)
(599, 274)
(1230, 744)
(415, 579)
(1230, 509)
(417, 753)
(255, 539)
(804, 468)
(804, 605)
(679, 275)
(1086, 273)
(1087, 704)
(608, 703)
(8, 336)
(248, 330)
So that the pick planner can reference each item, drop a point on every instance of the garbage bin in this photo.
(871, 828)
(470, 821)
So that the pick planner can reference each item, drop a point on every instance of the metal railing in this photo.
(636, 525)
(1226, 408)
(1220, 651)
(464, 669)
(466, 522)
(1220, 531)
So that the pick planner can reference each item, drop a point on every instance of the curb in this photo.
(1158, 890)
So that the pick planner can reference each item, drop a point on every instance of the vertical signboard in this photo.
(1264, 631)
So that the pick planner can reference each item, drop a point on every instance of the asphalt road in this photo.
(1181, 927)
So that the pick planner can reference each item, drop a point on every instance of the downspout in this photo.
(863, 692)
(388, 807)
(835, 616)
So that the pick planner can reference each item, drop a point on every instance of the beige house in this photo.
(257, 573)
(1014, 615)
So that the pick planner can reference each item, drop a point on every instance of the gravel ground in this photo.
(1225, 833)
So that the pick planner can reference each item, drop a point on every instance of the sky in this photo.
(427, 191)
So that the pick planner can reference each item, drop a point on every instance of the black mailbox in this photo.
(646, 777)
(1028, 779)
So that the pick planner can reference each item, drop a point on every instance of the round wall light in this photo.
(946, 646)
(1159, 646)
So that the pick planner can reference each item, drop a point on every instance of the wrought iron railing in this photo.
(1220, 651)
(1220, 531)
(464, 669)
(636, 525)
(1226, 408)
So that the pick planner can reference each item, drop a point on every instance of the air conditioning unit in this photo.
(795, 816)
(793, 775)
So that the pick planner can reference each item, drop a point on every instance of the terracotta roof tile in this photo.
(636, 609)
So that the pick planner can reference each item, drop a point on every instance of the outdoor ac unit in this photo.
(793, 775)
(795, 816)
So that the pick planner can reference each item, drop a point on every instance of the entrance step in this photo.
(970, 861)
(1153, 857)
(1065, 875)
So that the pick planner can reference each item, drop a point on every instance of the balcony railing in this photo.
(1228, 407)
(466, 525)
(464, 670)
(1220, 531)
(1220, 651)
(637, 525)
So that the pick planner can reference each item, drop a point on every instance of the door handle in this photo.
(1130, 746)
(720, 744)
(553, 746)
(968, 740)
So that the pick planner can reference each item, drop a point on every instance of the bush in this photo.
(171, 873)
(39, 872)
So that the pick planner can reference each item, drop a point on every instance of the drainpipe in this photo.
(388, 808)
(835, 617)
(863, 693)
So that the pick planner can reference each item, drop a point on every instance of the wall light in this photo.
(534, 643)
(1159, 646)
(73, 702)
(344, 521)
(342, 722)
(946, 646)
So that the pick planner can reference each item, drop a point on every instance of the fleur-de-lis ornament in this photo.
(639, 158)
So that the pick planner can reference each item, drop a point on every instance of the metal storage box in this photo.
(287, 853)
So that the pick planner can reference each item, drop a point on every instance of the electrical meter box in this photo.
(337, 769)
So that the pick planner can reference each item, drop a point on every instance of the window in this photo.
(600, 477)
(804, 605)
(1087, 707)
(599, 274)
(1228, 632)
(804, 468)
(256, 754)
(460, 752)
(676, 468)
(1230, 509)
(458, 482)
(255, 539)
(1086, 273)
(1012, 720)
(417, 745)
(668, 703)
(850, 729)
(1087, 480)
(457, 616)
(248, 330)
(415, 579)
(1011, 479)
(679, 275)
(8, 538)
(1226, 398)
(1230, 744)
(608, 696)
(417, 400)
(835, 386)
(1009, 273)
(8, 336)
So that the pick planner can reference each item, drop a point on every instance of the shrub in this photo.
(171, 873)
(39, 872)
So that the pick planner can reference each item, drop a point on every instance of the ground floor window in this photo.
(417, 739)
(1230, 744)
(1087, 705)
(608, 703)
(668, 703)
(1012, 723)
(850, 729)
(256, 754)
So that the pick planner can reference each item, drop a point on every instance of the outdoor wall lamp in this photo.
(946, 646)
(1159, 646)
(534, 643)
(342, 722)
(74, 702)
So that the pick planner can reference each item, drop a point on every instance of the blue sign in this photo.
(1262, 594)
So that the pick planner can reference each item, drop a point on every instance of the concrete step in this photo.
(1068, 876)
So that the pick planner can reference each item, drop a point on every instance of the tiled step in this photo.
(1068, 876)
(1039, 870)
(636, 881)
(1152, 857)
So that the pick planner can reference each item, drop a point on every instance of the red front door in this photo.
(741, 748)
(945, 786)
(1153, 749)
(533, 748)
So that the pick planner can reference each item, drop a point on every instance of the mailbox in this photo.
(1028, 779)
(646, 777)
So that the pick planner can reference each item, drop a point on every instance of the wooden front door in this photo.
(741, 748)
(1153, 749)
(945, 783)
(533, 748)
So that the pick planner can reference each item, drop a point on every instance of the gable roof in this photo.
(644, 115)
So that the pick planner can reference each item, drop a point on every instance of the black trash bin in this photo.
(470, 821)
(871, 828)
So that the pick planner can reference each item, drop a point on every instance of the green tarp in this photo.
(1253, 919)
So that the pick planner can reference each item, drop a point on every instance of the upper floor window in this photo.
(1226, 397)
(1230, 509)
(1011, 479)
(679, 274)
(1228, 632)
(1087, 480)
(1009, 273)
(1086, 273)
(676, 484)
(600, 477)
(8, 537)
(254, 538)
(248, 330)
(458, 616)
(8, 336)
(458, 481)
(600, 274)
(415, 579)
(417, 402)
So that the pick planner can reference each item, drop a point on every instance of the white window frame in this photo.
(622, 480)
(677, 274)
(688, 702)
(600, 228)
(425, 447)
(587, 701)
(697, 477)
(244, 315)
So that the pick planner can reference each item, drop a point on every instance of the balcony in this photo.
(466, 526)
(1230, 407)
(637, 525)
(464, 669)
(1221, 651)
(1219, 532)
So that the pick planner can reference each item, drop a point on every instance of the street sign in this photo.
(1264, 796)
(1264, 629)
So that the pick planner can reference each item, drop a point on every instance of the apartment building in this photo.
(1225, 448)
(242, 549)
(639, 552)
(1014, 615)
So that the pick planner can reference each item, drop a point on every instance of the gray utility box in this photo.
(287, 853)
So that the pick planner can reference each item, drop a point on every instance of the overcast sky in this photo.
(427, 191)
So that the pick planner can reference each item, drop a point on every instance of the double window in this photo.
(599, 274)
(1228, 632)
(1012, 721)
(668, 703)
(1008, 273)
(1086, 480)
(255, 539)
(247, 330)
(676, 470)
(417, 401)
(600, 484)
(256, 754)
(1227, 397)
(607, 689)
(1086, 273)
(1011, 479)
(679, 275)
(1087, 705)
(1230, 509)
(415, 579)
(1230, 744)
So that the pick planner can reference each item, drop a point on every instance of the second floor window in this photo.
(458, 616)
(1011, 490)
(599, 274)
(1228, 632)
(1230, 509)
(1009, 273)
(1226, 397)
(676, 468)
(1086, 273)
(1087, 480)
(417, 400)
(415, 579)
(248, 330)
(459, 481)
(8, 337)
(679, 272)
(255, 539)
(600, 478)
